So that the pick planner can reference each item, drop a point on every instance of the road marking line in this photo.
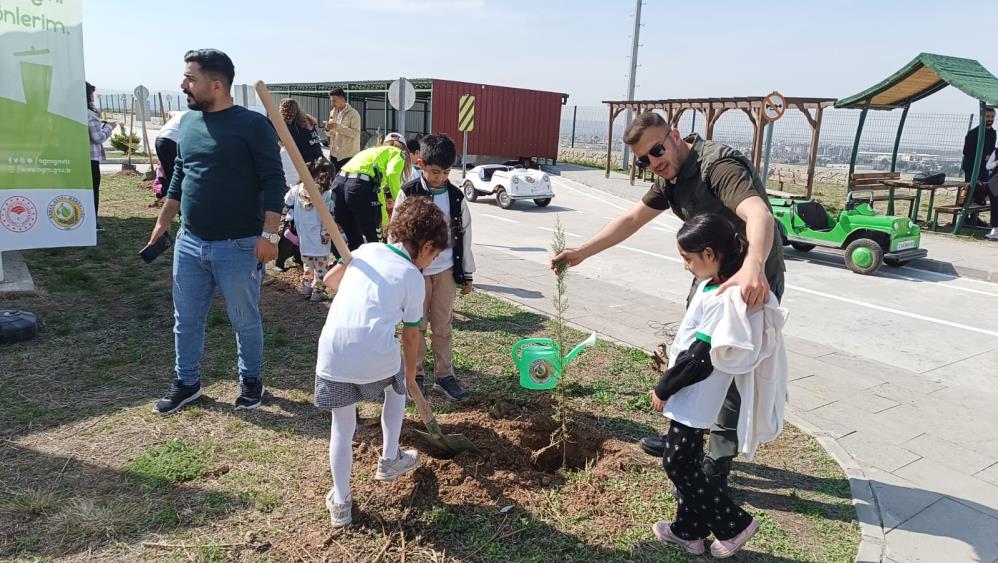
(599, 199)
(655, 225)
(847, 300)
(894, 311)
(639, 251)
(933, 283)
(500, 218)
(566, 232)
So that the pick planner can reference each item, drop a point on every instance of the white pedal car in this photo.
(508, 184)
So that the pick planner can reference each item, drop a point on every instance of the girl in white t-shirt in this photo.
(313, 240)
(359, 356)
(691, 393)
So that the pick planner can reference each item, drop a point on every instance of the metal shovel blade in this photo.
(451, 443)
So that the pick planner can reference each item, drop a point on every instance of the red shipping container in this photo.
(509, 122)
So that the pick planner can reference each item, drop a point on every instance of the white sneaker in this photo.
(306, 286)
(392, 469)
(991, 236)
(339, 514)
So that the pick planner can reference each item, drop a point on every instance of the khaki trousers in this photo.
(438, 315)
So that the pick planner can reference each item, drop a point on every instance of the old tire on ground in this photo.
(864, 256)
(542, 202)
(503, 199)
(17, 326)
(802, 246)
(470, 193)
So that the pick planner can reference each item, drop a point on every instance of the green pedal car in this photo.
(867, 238)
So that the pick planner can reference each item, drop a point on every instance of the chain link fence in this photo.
(931, 142)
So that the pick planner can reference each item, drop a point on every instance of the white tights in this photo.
(341, 439)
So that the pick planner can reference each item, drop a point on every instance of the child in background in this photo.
(691, 393)
(413, 146)
(358, 357)
(313, 240)
(452, 268)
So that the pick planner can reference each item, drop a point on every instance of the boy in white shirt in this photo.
(452, 268)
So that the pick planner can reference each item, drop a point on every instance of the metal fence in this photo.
(931, 142)
(157, 105)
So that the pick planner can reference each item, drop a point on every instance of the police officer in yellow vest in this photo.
(365, 189)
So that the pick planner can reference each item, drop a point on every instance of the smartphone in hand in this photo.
(151, 251)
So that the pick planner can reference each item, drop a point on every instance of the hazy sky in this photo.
(719, 48)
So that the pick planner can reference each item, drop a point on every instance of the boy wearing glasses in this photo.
(695, 177)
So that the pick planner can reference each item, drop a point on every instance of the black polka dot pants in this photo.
(703, 507)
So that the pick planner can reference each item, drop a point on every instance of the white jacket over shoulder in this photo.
(750, 345)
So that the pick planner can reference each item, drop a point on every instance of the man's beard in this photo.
(194, 104)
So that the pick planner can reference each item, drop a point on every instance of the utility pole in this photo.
(632, 75)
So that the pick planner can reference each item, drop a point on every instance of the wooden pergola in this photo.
(713, 108)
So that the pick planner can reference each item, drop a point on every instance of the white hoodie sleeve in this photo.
(469, 257)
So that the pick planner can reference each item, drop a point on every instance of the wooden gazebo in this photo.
(925, 75)
(713, 108)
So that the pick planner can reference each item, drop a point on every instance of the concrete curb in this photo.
(924, 264)
(939, 267)
(872, 543)
(17, 277)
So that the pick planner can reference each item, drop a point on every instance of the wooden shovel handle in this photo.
(425, 413)
(313, 191)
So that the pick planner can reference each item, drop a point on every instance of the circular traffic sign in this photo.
(407, 88)
(141, 92)
(773, 106)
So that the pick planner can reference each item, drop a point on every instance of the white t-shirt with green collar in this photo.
(697, 405)
(380, 289)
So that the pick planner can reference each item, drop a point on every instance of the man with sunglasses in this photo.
(694, 177)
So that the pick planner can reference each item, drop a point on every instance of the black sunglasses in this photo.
(657, 151)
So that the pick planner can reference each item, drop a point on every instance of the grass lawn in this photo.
(88, 472)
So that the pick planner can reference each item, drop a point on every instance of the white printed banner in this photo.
(46, 194)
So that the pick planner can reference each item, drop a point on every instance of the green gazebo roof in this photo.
(924, 76)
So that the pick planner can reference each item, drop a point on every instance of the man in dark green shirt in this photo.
(229, 185)
(694, 177)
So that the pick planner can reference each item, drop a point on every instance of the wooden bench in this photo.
(874, 182)
(973, 210)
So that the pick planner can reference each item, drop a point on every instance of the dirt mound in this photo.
(507, 469)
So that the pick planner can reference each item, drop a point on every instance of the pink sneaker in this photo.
(726, 548)
(663, 531)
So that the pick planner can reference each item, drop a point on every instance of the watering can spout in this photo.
(580, 347)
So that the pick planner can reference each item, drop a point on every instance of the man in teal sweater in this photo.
(229, 185)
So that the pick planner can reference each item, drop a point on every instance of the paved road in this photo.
(899, 369)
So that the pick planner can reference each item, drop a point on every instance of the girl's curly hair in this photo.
(292, 113)
(418, 221)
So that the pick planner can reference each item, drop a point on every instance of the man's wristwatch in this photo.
(274, 238)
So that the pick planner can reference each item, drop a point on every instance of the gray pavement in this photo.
(947, 254)
(895, 373)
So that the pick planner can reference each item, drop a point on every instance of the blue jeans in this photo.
(199, 266)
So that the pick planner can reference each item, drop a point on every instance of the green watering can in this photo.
(540, 361)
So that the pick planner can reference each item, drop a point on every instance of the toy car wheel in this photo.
(895, 263)
(802, 246)
(503, 198)
(543, 202)
(470, 193)
(864, 256)
(17, 326)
